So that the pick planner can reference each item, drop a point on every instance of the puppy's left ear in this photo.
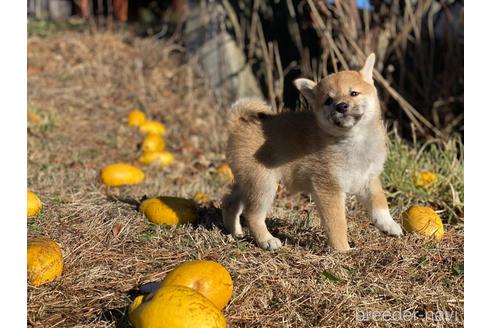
(306, 86)
(366, 71)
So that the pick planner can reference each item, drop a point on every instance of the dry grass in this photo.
(83, 85)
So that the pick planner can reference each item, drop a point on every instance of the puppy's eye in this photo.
(354, 93)
(328, 101)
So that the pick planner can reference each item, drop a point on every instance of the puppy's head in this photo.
(343, 101)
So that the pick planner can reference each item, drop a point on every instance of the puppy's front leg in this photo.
(331, 208)
(374, 200)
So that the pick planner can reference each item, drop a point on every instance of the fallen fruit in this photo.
(136, 118)
(423, 220)
(209, 278)
(153, 143)
(169, 210)
(424, 179)
(175, 307)
(225, 172)
(152, 127)
(162, 158)
(34, 205)
(121, 174)
(136, 303)
(34, 118)
(200, 198)
(44, 261)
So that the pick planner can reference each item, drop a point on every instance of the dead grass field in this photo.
(82, 86)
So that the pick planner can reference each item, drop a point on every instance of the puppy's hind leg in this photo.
(232, 207)
(257, 202)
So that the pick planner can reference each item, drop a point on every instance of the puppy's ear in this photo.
(366, 71)
(305, 86)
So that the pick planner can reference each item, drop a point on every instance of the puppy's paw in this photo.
(341, 247)
(238, 234)
(390, 227)
(234, 229)
(384, 222)
(270, 244)
(344, 250)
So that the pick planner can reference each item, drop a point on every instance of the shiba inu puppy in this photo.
(335, 149)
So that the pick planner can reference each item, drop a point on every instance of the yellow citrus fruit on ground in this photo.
(200, 198)
(424, 179)
(136, 118)
(152, 127)
(44, 260)
(225, 172)
(136, 303)
(169, 210)
(209, 278)
(176, 307)
(423, 220)
(34, 118)
(153, 143)
(121, 174)
(162, 158)
(34, 205)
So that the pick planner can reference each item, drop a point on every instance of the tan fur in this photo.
(322, 152)
(378, 199)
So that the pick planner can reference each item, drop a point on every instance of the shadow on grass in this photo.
(296, 235)
(209, 216)
(119, 316)
(127, 200)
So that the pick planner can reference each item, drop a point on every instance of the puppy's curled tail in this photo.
(248, 109)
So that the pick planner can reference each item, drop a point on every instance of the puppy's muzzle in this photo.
(342, 108)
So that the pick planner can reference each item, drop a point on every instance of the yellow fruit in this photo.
(162, 158)
(423, 220)
(44, 261)
(136, 118)
(153, 143)
(169, 210)
(121, 174)
(34, 119)
(166, 158)
(209, 278)
(149, 158)
(152, 127)
(136, 303)
(34, 205)
(424, 179)
(200, 198)
(225, 172)
(176, 307)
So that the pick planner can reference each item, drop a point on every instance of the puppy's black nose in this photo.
(342, 107)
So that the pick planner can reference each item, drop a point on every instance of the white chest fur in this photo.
(363, 158)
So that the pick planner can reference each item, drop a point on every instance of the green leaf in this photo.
(459, 269)
(329, 276)
(243, 245)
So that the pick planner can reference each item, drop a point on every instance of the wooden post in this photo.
(120, 8)
(84, 8)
